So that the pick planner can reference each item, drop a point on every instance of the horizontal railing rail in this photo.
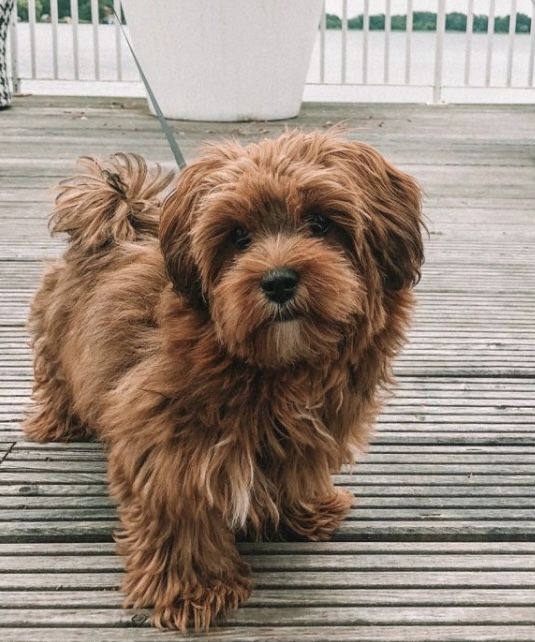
(438, 55)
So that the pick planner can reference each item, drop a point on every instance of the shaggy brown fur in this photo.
(223, 411)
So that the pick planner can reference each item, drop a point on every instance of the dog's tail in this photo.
(109, 201)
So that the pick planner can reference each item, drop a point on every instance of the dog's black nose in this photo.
(279, 285)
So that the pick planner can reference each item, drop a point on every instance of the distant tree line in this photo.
(42, 9)
(421, 20)
(427, 21)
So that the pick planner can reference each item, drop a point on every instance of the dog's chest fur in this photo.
(273, 422)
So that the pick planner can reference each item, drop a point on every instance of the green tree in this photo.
(456, 22)
(356, 23)
(64, 9)
(398, 23)
(424, 21)
(332, 21)
(523, 23)
(377, 23)
(22, 9)
(481, 23)
(501, 24)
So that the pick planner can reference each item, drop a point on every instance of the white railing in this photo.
(347, 64)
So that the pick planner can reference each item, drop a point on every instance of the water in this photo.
(422, 58)
(422, 62)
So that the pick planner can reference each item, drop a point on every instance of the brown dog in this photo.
(232, 365)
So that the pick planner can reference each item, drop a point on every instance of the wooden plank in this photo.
(292, 562)
(271, 633)
(294, 580)
(454, 451)
(94, 472)
(303, 616)
(390, 530)
(410, 494)
(421, 502)
(24, 489)
(376, 513)
(392, 434)
(363, 468)
(375, 456)
(466, 597)
(503, 549)
(394, 479)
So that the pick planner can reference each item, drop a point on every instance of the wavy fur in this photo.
(109, 201)
(221, 419)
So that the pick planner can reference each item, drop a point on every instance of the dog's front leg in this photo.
(180, 556)
(312, 508)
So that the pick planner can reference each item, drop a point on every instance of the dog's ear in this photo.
(175, 226)
(179, 211)
(391, 202)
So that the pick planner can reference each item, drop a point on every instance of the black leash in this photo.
(179, 157)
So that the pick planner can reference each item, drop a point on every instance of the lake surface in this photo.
(422, 59)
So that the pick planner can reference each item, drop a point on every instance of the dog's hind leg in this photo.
(51, 417)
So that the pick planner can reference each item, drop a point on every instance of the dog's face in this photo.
(291, 243)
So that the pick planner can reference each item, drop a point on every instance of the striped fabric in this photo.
(6, 6)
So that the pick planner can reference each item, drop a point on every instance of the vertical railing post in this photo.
(32, 19)
(490, 37)
(14, 51)
(531, 59)
(54, 25)
(96, 50)
(75, 48)
(469, 35)
(118, 54)
(439, 51)
(323, 27)
(388, 23)
(344, 42)
(365, 32)
(511, 44)
(408, 43)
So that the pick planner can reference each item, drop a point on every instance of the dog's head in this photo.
(289, 243)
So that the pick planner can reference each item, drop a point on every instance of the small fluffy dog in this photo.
(227, 343)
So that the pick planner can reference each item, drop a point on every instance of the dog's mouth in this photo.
(285, 314)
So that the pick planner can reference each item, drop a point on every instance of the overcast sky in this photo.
(503, 7)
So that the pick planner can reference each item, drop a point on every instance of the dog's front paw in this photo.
(199, 608)
(316, 521)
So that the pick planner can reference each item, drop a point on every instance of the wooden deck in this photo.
(441, 543)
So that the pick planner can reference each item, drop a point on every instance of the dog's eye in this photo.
(240, 237)
(318, 224)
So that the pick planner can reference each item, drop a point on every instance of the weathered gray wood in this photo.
(24, 489)
(403, 530)
(294, 579)
(360, 514)
(440, 542)
(273, 633)
(294, 548)
(292, 562)
(365, 467)
(465, 597)
(80, 458)
(421, 505)
(395, 493)
(390, 435)
(393, 479)
(303, 616)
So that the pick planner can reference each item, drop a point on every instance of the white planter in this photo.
(225, 59)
